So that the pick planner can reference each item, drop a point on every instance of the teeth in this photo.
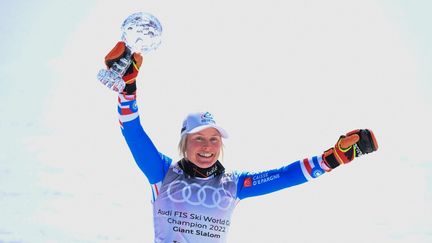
(207, 155)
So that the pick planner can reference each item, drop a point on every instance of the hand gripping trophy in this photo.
(141, 32)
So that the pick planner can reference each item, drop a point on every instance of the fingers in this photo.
(138, 60)
(374, 141)
(115, 54)
(347, 142)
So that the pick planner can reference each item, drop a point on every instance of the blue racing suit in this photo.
(188, 209)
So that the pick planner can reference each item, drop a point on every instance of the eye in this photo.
(199, 139)
(214, 140)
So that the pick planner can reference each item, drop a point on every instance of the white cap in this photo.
(196, 122)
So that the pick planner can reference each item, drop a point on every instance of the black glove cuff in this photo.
(331, 160)
(130, 88)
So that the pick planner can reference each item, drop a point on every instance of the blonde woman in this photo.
(193, 199)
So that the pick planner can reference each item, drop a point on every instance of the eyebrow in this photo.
(214, 135)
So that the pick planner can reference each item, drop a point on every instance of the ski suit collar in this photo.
(195, 171)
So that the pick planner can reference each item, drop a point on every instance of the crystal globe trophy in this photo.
(141, 32)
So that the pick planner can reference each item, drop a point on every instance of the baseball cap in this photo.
(196, 122)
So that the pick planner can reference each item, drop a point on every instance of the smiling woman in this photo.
(196, 190)
(203, 147)
(201, 140)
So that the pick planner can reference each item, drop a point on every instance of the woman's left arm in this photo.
(301, 171)
(354, 144)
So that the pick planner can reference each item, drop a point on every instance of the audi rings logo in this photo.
(195, 194)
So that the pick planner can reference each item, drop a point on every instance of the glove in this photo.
(121, 51)
(354, 144)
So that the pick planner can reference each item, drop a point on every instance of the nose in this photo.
(205, 144)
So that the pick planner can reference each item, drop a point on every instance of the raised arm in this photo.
(152, 163)
(354, 144)
(298, 172)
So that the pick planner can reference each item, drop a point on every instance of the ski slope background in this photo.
(285, 78)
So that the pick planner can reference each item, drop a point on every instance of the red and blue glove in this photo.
(119, 51)
(354, 144)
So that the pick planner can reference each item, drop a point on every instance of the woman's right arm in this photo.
(152, 163)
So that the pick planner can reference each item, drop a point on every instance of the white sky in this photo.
(285, 78)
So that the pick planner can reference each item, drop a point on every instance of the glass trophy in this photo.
(141, 32)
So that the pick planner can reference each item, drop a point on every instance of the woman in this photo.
(193, 199)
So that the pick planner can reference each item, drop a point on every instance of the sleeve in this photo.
(256, 184)
(153, 164)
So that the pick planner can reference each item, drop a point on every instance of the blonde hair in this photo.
(182, 146)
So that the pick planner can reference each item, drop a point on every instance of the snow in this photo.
(284, 78)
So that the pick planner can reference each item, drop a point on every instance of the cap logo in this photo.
(207, 118)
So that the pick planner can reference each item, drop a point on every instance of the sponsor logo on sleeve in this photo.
(247, 182)
(259, 179)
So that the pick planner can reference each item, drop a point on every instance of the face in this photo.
(203, 148)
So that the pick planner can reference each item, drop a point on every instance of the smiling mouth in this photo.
(205, 155)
